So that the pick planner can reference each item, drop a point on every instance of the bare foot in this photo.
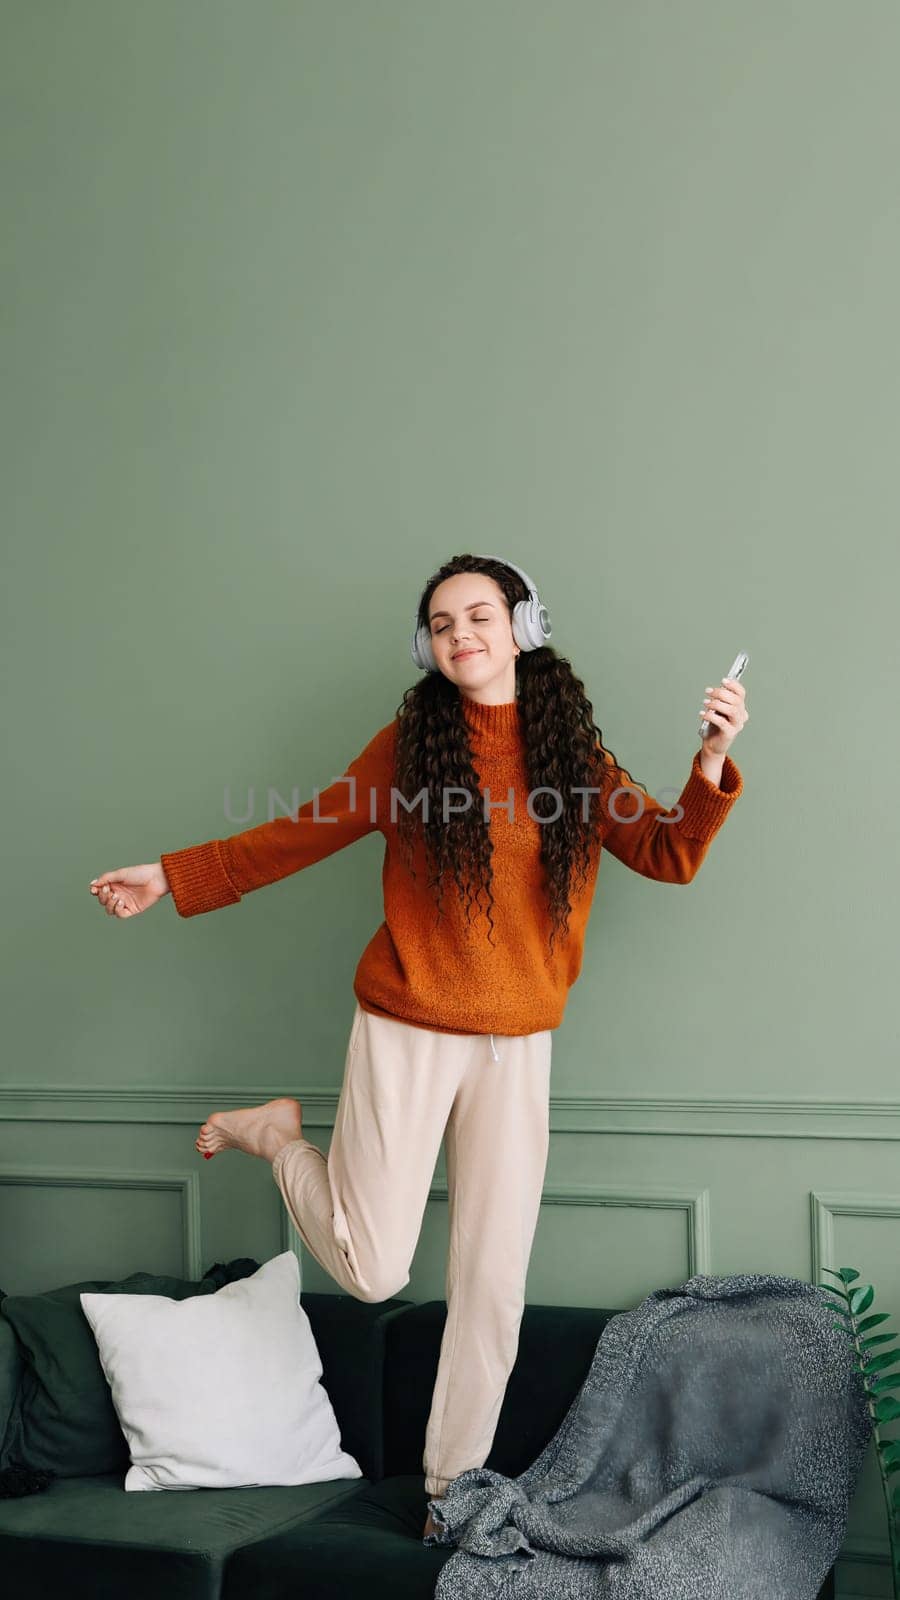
(258, 1130)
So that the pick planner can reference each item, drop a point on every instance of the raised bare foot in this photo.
(258, 1130)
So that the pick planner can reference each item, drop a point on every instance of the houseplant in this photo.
(850, 1304)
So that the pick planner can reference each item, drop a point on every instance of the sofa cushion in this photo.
(63, 1419)
(556, 1348)
(87, 1539)
(367, 1545)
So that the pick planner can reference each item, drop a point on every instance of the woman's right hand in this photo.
(128, 890)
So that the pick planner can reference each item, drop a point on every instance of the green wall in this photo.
(298, 300)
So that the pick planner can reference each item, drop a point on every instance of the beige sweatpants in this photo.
(359, 1211)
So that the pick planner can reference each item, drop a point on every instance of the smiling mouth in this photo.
(461, 654)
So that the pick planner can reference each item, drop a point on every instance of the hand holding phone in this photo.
(735, 671)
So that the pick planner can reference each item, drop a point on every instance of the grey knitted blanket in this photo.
(711, 1454)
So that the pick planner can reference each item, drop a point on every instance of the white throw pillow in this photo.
(221, 1390)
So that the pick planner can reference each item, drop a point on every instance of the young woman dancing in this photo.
(494, 774)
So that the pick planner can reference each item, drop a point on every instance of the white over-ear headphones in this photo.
(530, 623)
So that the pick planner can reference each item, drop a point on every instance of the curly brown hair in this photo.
(563, 749)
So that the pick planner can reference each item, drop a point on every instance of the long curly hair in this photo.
(563, 749)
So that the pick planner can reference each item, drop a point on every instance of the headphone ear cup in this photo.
(422, 653)
(528, 630)
(539, 622)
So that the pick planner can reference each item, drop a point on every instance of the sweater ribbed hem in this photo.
(198, 879)
(706, 804)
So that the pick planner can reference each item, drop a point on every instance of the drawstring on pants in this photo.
(493, 1049)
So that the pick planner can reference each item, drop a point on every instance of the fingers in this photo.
(109, 889)
(728, 690)
(112, 900)
(724, 705)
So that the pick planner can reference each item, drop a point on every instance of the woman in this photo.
(451, 1036)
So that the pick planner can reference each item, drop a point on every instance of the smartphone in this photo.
(735, 671)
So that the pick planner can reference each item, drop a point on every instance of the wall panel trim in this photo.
(186, 1184)
(704, 1116)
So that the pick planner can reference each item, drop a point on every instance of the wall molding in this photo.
(751, 1117)
(693, 1202)
(825, 1205)
(186, 1184)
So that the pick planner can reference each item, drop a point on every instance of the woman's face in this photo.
(472, 637)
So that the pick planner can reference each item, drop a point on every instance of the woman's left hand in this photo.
(724, 709)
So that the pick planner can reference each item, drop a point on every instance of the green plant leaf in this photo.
(861, 1298)
(841, 1325)
(888, 1358)
(832, 1288)
(872, 1322)
(877, 1338)
(889, 1449)
(878, 1385)
(887, 1409)
(846, 1274)
(837, 1308)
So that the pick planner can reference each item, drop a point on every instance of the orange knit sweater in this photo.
(449, 976)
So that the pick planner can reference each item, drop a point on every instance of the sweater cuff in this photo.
(198, 879)
(706, 804)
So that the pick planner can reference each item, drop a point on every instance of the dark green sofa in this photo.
(86, 1538)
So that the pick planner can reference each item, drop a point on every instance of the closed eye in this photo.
(446, 624)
